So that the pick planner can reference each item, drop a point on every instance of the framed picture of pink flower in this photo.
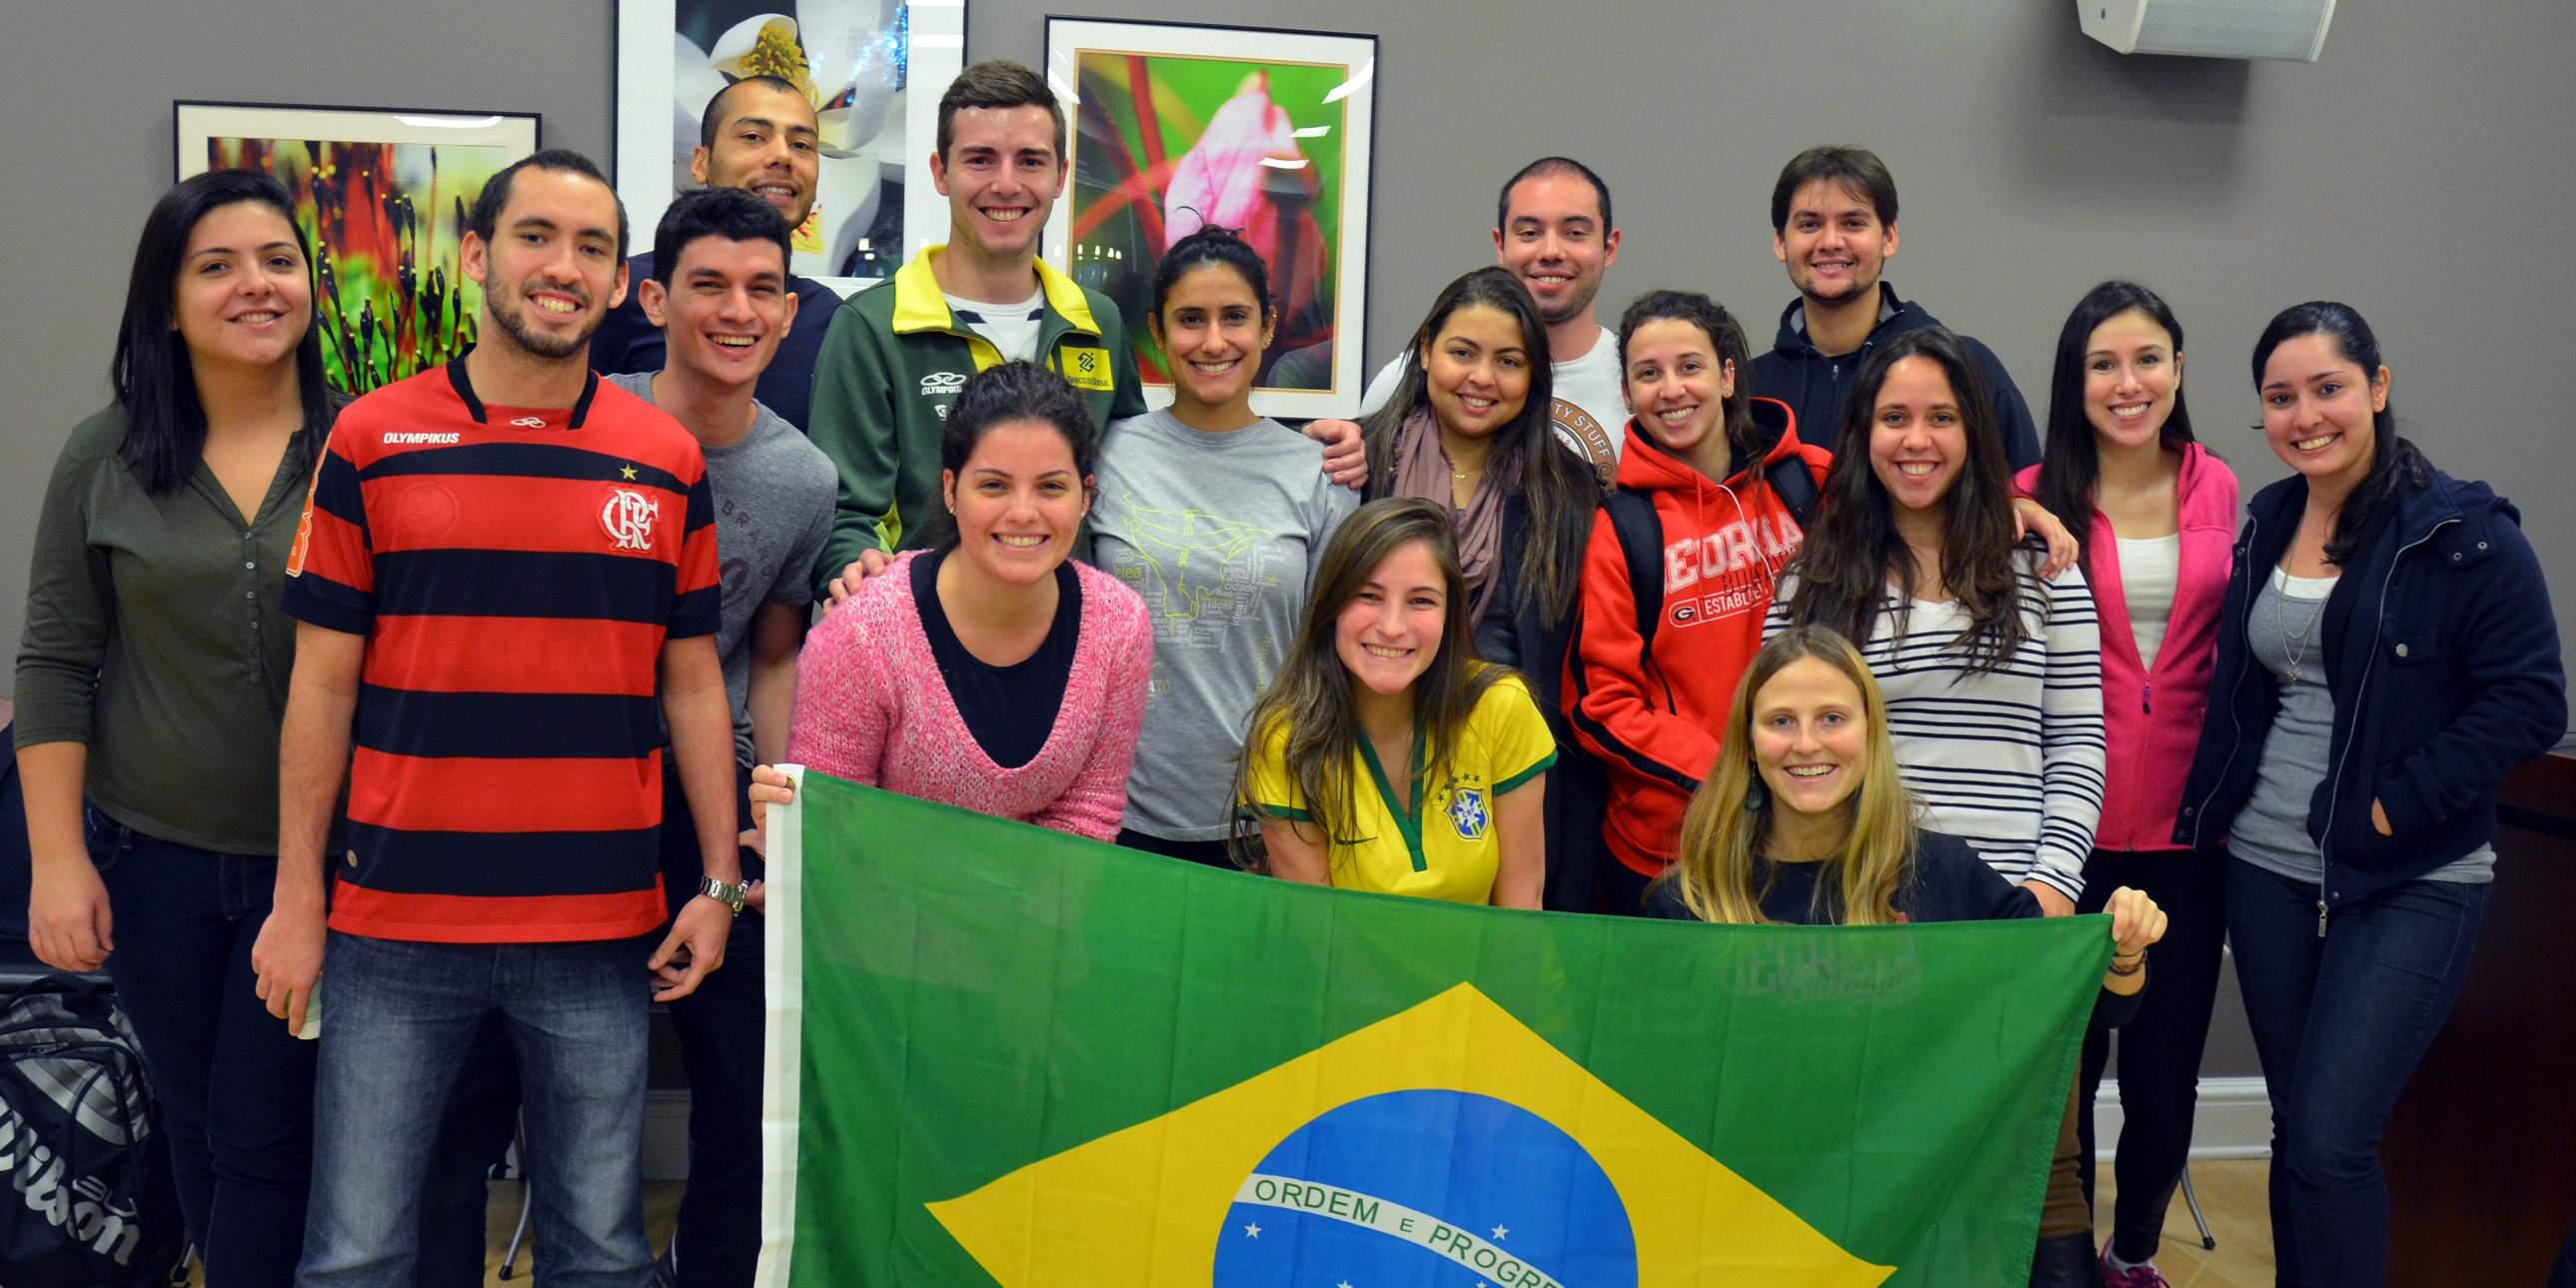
(1178, 126)
(381, 196)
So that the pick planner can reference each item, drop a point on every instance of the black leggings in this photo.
(2160, 1048)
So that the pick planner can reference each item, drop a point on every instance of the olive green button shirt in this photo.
(153, 635)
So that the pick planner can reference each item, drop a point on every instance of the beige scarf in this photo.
(1423, 472)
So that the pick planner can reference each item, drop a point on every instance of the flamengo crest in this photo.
(628, 518)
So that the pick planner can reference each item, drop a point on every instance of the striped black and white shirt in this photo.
(2009, 760)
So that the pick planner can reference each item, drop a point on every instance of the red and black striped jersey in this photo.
(515, 572)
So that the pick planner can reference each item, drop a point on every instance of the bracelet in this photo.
(2135, 965)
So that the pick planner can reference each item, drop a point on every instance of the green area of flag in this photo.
(980, 996)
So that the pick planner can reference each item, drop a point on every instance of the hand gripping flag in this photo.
(1003, 1056)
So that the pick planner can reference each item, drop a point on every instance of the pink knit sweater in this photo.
(871, 707)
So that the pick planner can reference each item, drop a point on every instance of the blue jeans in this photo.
(236, 1089)
(397, 1018)
(2340, 1021)
(716, 1241)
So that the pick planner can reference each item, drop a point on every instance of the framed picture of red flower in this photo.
(381, 196)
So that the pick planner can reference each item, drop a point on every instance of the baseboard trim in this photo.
(666, 1135)
(2234, 1119)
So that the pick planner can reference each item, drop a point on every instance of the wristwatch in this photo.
(730, 896)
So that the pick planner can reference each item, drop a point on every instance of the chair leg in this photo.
(527, 1205)
(2208, 1242)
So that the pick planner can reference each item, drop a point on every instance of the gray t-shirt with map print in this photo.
(1219, 533)
(773, 491)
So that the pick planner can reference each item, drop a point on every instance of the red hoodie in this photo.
(1656, 719)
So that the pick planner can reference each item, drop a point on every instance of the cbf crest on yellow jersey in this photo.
(1444, 845)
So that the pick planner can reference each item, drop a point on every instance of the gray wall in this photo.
(2423, 171)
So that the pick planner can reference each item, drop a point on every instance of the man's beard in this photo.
(1572, 308)
(1856, 291)
(511, 318)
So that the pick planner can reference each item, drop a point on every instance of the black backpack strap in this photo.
(1641, 541)
(1796, 485)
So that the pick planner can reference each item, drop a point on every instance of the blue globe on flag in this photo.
(1427, 1189)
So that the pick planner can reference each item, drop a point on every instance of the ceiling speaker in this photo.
(2285, 29)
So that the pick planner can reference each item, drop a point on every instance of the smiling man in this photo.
(723, 304)
(898, 355)
(757, 134)
(506, 584)
(1833, 223)
(1552, 229)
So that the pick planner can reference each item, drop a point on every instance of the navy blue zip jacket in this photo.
(1814, 385)
(2442, 657)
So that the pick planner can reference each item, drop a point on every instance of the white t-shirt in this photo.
(1589, 413)
(2147, 568)
(1013, 328)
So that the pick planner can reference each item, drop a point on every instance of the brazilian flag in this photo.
(1003, 1056)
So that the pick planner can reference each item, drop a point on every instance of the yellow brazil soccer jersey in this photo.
(1445, 846)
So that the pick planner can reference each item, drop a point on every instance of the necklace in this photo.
(2298, 652)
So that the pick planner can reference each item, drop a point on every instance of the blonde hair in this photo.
(1718, 873)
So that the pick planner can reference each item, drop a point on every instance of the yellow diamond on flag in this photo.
(1446, 1131)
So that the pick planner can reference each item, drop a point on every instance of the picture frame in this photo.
(381, 196)
(1275, 130)
(888, 62)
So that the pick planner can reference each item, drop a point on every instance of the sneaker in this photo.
(2141, 1275)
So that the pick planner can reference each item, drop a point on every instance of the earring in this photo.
(1756, 796)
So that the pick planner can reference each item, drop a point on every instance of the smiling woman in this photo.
(2387, 649)
(1467, 427)
(1805, 819)
(989, 673)
(2158, 513)
(1993, 670)
(1381, 674)
(155, 584)
(1215, 515)
(1912, 555)
(1660, 643)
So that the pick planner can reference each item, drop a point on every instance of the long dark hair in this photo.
(2071, 461)
(1310, 698)
(2396, 465)
(165, 434)
(1854, 552)
(1562, 490)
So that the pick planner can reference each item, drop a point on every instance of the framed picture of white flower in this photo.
(874, 71)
